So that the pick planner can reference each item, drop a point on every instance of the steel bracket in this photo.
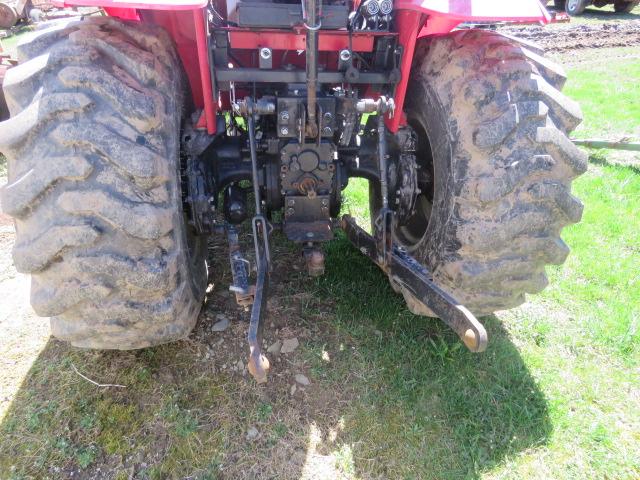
(417, 280)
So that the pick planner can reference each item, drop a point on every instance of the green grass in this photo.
(570, 356)
(601, 282)
(9, 43)
(609, 93)
(392, 395)
(555, 396)
(71, 424)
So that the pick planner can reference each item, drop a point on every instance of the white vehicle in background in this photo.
(576, 7)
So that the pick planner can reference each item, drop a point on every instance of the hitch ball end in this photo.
(315, 261)
(470, 339)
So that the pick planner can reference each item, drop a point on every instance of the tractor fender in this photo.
(445, 15)
(479, 10)
(460, 10)
(126, 9)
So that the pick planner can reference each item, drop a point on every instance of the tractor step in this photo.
(413, 277)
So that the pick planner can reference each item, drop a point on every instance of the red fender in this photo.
(419, 18)
(120, 6)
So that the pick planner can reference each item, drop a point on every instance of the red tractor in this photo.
(135, 136)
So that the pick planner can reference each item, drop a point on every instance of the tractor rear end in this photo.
(132, 141)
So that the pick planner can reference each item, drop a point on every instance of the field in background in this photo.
(391, 395)
(598, 15)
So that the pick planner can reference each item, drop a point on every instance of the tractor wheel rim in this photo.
(412, 232)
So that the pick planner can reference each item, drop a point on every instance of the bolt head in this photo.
(372, 8)
(386, 7)
(284, 115)
(284, 131)
(265, 53)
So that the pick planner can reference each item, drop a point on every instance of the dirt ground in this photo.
(565, 37)
(23, 334)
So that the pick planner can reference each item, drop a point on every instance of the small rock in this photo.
(252, 433)
(240, 365)
(275, 348)
(293, 389)
(221, 325)
(302, 380)
(289, 345)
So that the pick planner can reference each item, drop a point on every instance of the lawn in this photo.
(391, 395)
(608, 91)
(9, 43)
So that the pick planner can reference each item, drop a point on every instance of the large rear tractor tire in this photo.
(495, 168)
(94, 184)
(625, 7)
(575, 7)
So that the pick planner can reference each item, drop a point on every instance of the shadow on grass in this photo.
(391, 396)
(426, 407)
(599, 157)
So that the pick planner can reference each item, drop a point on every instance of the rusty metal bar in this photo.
(258, 363)
(619, 145)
